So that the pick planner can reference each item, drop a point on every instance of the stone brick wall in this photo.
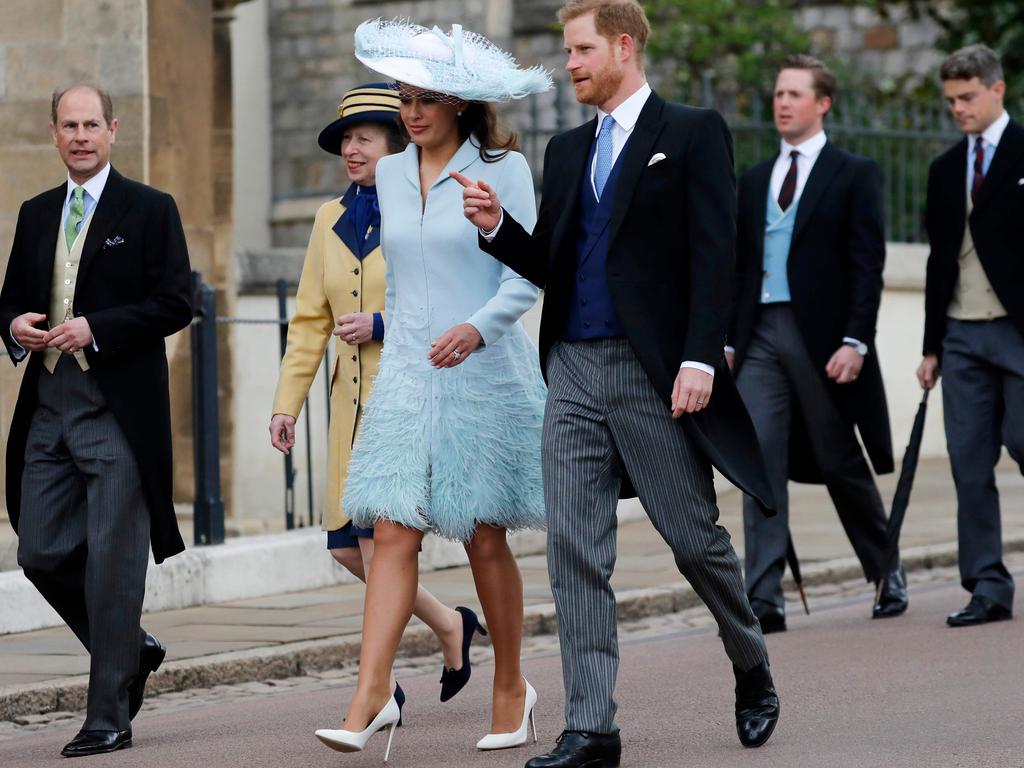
(895, 47)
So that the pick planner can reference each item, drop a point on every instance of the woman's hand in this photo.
(282, 432)
(355, 328)
(454, 345)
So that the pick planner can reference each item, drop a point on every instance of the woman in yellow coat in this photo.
(341, 292)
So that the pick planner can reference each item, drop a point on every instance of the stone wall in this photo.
(893, 47)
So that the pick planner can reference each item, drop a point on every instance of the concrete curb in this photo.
(295, 659)
(248, 567)
(252, 566)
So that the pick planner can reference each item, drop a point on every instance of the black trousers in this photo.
(777, 377)
(84, 532)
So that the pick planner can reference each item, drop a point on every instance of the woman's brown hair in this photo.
(480, 121)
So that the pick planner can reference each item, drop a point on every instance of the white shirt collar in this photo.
(994, 132)
(93, 187)
(628, 112)
(810, 148)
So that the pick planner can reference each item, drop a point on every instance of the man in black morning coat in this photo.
(810, 252)
(98, 276)
(974, 315)
(634, 248)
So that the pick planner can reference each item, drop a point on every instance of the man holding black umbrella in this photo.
(810, 253)
(974, 315)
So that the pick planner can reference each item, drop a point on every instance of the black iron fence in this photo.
(208, 506)
(902, 138)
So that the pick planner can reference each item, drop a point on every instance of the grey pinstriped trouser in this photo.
(84, 532)
(604, 417)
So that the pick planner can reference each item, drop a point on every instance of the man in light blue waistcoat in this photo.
(810, 252)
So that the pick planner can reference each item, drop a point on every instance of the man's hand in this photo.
(692, 391)
(928, 371)
(70, 336)
(844, 365)
(282, 432)
(355, 328)
(25, 333)
(454, 346)
(479, 202)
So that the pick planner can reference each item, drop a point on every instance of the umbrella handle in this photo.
(803, 598)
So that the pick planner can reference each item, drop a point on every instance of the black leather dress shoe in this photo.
(980, 610)
(757, 705)
(150, 658)
(97, 743)
(893, 599)
(772, 618)
(581, 749)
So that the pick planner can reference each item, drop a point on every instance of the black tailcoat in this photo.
(997, 226)
(669, 266)
(835, 266)
(134, 288)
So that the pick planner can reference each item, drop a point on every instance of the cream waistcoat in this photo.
(62, 291)
(973, 297)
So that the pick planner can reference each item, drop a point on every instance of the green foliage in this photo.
(739, 42)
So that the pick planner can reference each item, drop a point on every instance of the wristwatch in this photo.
(861, 347)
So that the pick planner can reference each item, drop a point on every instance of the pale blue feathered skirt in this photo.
(447, 450)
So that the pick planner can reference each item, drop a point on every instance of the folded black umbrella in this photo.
(901, 498)
(794, 568)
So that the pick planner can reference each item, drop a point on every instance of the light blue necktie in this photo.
(604, 155)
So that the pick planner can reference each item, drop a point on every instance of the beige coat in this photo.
(333, 283)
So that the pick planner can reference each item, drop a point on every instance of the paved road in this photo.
(906, 692)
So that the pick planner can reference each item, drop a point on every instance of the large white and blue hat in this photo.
(459, 63)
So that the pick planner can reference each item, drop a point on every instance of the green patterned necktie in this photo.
(75, 215)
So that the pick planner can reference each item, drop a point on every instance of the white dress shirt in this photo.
(809, 151)
(990, 138)
(625, 116)
(93, 190)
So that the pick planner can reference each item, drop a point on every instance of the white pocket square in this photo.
(656, 158)
(111, 242)
(1020, 182)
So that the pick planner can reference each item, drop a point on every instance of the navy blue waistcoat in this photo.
(591, 313)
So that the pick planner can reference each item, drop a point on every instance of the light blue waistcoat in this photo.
(778, 235)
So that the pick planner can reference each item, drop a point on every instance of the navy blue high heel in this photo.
(454, 680)
(400, 700)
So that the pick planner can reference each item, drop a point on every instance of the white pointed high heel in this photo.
(355, 741)
(516, 738)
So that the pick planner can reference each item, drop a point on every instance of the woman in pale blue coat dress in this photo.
(450, 439)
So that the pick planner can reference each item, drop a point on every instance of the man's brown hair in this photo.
(821, 76)
(974, 61)
(105, 101)
(611, 18)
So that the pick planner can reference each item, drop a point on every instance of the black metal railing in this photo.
(902, 138)
(208, 509)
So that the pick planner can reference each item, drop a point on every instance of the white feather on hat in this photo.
(461, 63)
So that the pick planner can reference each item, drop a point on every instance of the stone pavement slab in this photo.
(319, 628)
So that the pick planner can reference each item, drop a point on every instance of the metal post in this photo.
(208, 507)
(289, 464)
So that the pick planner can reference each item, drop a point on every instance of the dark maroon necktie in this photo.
(979, 167)
(789, 183)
